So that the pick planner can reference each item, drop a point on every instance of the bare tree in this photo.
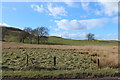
(41, 32)
(30, 34)
(90, 36)
(28, 30)
(24, 34)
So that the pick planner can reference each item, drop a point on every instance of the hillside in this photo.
(13, 36)
(58, 58)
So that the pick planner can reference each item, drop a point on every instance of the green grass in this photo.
(78, 64)
(13, 36)
(69, 62)
(33, 74)
(16, 58)
(58, 40)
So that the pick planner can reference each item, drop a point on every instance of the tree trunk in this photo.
(38, 39)
(31, 40)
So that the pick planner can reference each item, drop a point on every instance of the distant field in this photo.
(53, 40)
(13, 36)
(59, 40)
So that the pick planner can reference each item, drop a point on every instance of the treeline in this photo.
(39, 33)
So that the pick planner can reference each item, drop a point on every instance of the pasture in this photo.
(38, 60)
(44, 58)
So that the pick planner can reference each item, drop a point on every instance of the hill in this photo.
(13, 36)
(59, 58)
(11, 28)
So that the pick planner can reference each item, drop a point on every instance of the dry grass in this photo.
(108, 55)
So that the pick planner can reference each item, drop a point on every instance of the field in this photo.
(37, 61)
(65, 59)
(13, 36)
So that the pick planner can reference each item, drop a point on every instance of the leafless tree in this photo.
(30, 34)
(90, 36)
(41, 32)
(24, 34)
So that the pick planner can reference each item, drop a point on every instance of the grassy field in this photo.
(108, 55)
(59, 40)
(61, 74)
(53, 40)
(65, 59)
(74, 58)
(71, 61)
(13, 36)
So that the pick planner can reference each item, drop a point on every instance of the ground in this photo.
(71, 60)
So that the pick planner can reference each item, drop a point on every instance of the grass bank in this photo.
(62, 74)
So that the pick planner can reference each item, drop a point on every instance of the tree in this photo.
(24, 34)
(41, 32)
(90, 36)
(30, 34)
(28, 30)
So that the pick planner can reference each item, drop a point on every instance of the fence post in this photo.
(91, 63)
(98, 63)
(27, 59)
(54, 60)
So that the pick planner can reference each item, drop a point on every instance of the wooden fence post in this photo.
(91, 64)
(27, 59)
(54, 60)
(98, 63)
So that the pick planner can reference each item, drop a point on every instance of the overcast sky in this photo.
(65, 19)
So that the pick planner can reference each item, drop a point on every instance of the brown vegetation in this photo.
(108, 55)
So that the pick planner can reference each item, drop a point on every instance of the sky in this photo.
(71, 20)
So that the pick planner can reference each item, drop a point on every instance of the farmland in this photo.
(38, 60)
(59, 39)
(16, 58)
(58, 58)
(13, 36)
